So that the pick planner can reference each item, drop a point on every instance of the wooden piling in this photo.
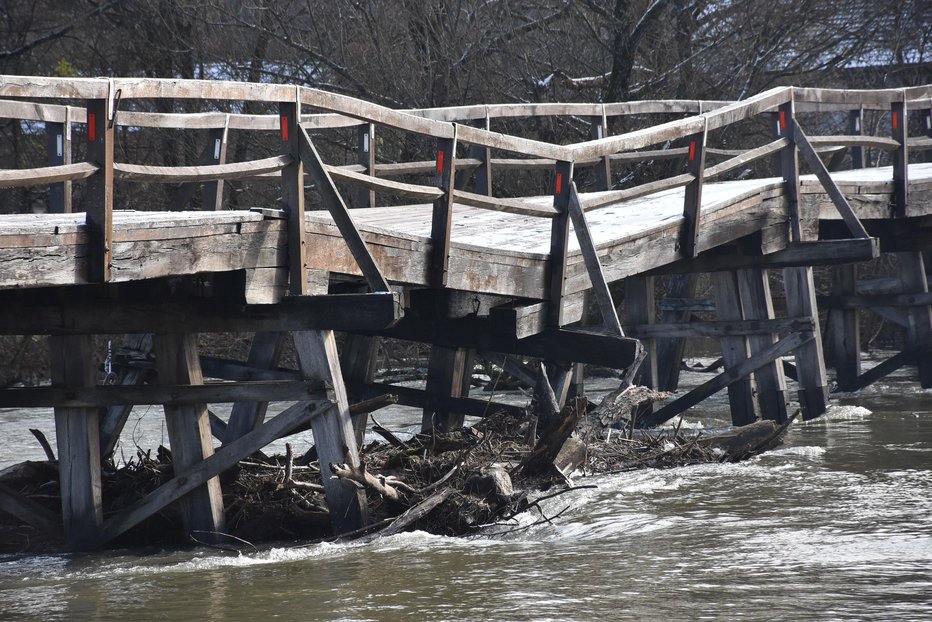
(734, 347)
(844, 335)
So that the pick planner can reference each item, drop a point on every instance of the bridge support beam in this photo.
(734, 348)
(843, 338)
(810, 364)
(757, 304)
(333, 430)
(78, 440)
(189, 434)
(919, 318)
(245, 417)
(448, 374)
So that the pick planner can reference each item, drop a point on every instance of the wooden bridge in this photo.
(385, 223)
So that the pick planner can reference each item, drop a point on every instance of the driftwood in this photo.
(541, 458)
(619, 407)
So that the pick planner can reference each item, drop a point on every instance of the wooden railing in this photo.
(686, 138)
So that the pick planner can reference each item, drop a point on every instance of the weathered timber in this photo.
(99, 191)
(844, 331)
(78, 442)
(734, 347)
(670, 349)
(757, 304)
(718, 329)
(813, 382)
(882, 370)
(225, 457)
(899, 124)
(189, 433)
(358, 362)
(689, 237)
(559, 243)
(710, 387)
(449, 371)
(334, 437)
(58, 147)
(919, 327)
(336, 312)
(292, 185)
(639, 310)
(29, 511)
(419, 398)
(442, 214)
(245, 416)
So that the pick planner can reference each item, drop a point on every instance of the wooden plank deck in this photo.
(491, 252)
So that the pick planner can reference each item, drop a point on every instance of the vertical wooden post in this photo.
(639, 309)
(365, 155)
(789, 168)
(333, 431)
(689, 237)
(482, 174)
(670, 351)
(99, 190)
(442, 219)
(448, 373)
(559, 242)
(245, 417)
(919, 318)
(927, 129)
(216, 153)
(58, 137)
(757, 304)
(845, 334)
(856, 128)
(76, 431)
(810, 363)
(189, 433)
(900, 157)
(293, 196)
(358, 362)
(598, 129)
(734, 348)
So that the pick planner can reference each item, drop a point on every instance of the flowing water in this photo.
(834, 525)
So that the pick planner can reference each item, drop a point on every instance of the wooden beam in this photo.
(828, 184)
(449, 371)
(58, 146)
(695, 161)
(98, 199)
(844, 331)
(189, 434)
(810, 363)
(919, 327)
(365, 156)
(29, 511)
(78, 440)
(734, 348)
(719, 329)
(292, 185)
(227, 456)
(418, 398)
(882, 370)
(519, 319)
(670, 350)
(247, 415)
(757, 304)
(855, 127)
(639, 310)
(358, 360)
(898, 130)
(719, 382)
(338, 312)
(442, 215)
(787, 163)
(600, 288)
(341, 217)
(559, 243)
(334, 437)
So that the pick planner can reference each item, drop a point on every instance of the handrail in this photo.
(188, 174)
(18, 178)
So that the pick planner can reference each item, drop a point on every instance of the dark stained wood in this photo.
(76, 431)
(898, 131)
(442, 217)
(919, 328)
(98, 197)
(787, 165)
(844, 330)
(718, 329)
(337, 312)
(856, 127)
(409, 396)
(365, 156)
(215, 154)
(58, 145)
(883, 369)
(559, 243)
(670, 350)
(639, 311)
(358, 360)
(695, 162)
(449, 371)
(293, 197)
(519, 319)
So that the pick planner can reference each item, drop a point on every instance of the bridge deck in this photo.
(491, 252)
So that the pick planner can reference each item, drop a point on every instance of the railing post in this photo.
(788, 160)
(483, 173)
(99, 192)
(365, 155)
(559, 240)
(212, 193)
(293, 196)
(927, 128)
(900, 156)
(689, 237)
(598, 129)
(856, 128)
(59, 152)
(442, 219)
